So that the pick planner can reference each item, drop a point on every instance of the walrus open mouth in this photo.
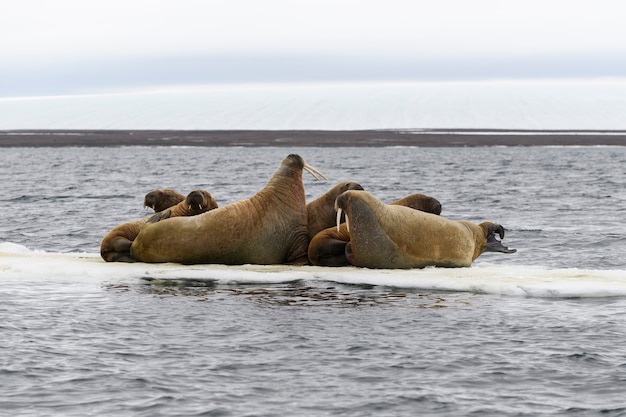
(493, 244)
(314, 172)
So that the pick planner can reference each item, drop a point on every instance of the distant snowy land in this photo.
(525, 105)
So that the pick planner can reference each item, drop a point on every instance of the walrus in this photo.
(268, 228)
(421, 202)
(321, 211)
(115, 246)
(162, 198)
(392, 236)
(327, 247)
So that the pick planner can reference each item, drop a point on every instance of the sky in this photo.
(76, 46)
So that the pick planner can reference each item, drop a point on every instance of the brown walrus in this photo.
(391, 236)
(268, 228)
(421, 202)
(115, 246)
(162, 198)
(327, 248)
(321, 211)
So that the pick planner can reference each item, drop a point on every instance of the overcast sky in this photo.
(73, 46)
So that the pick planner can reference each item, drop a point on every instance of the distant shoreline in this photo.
(304, 138)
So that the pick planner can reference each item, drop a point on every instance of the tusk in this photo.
(347, 223)
(314, 171)
(338, 218)
(199, 206)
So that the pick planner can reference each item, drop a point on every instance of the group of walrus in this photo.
(277, 226)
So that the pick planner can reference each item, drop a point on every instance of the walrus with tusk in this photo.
(393, 236)
(327, 247)
(115, 246)
(268, 228)
(321, 211)
(162, 198)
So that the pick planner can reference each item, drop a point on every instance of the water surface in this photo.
(81, 337)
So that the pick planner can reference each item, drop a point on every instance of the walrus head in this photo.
(162, 198)
(196, 202)
(299, 162)
(321, 211)
(349, 185)
(493, 244)
(199, 201)
(345, 200)
(421, 202)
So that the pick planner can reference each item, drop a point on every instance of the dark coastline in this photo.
(297, 138)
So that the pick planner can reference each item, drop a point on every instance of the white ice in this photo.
(571, 105)
(18, 263)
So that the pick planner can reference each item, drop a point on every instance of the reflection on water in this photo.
(296, 293)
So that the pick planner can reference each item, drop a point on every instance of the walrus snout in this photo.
(349, 186)
(200, 200)
(341, 203)
(435, 206)
(496, 228)
(339, 213)
(353, 186)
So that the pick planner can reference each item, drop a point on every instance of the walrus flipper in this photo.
(332, 253)
(123, 257)
(157, 217)
(493, 244)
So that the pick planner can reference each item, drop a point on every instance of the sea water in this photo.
(538, 332)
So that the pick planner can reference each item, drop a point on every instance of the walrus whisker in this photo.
(314, 172)
(338, 217)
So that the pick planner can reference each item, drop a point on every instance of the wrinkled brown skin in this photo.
(268, 228)
(392, 236)
(327, 247)
(115, 246)
(162, 198)
(321, 211)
